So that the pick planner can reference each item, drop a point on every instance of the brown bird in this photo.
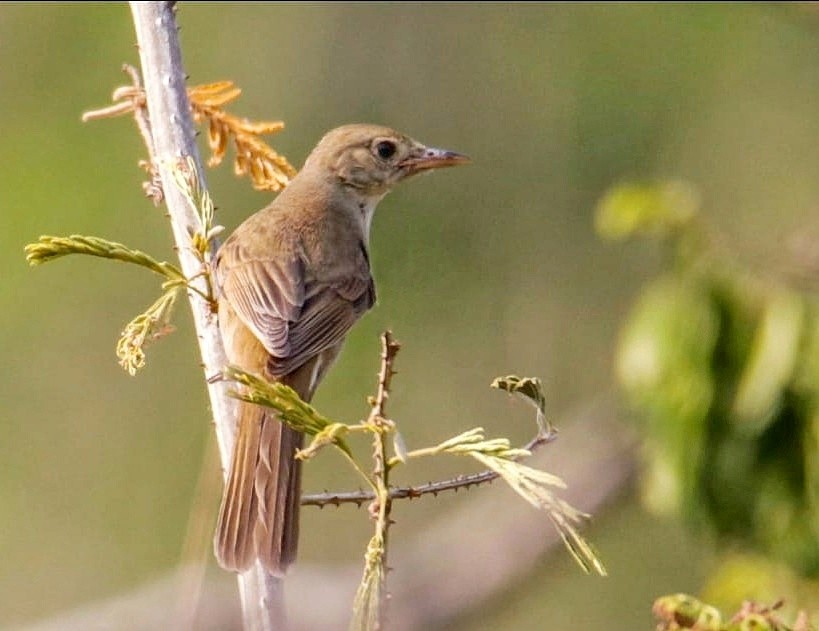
(293, 279)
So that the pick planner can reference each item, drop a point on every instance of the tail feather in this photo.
(278, 490)
(259, 515)
(233, 543)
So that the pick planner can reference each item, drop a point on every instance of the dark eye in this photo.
(385, 149)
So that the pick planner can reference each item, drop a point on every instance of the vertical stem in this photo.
(383, 519)
(381, 469)
(172, 135)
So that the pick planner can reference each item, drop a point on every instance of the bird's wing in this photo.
(267, 295)
(326, 316)
(293, 316)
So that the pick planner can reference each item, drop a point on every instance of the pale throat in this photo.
(366, 210)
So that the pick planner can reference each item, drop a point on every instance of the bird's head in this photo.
(372, 159)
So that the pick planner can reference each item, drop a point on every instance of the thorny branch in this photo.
(389, 349)
(411, 492)
(369, 609)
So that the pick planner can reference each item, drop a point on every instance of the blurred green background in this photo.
(481, 271)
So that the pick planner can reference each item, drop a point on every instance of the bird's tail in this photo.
(259, 515)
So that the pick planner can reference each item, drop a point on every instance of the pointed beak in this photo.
(425, 158)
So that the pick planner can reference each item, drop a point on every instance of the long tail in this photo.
(278, 493)
(259, 516)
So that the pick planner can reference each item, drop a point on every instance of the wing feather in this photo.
(267, 296)
(293, 315)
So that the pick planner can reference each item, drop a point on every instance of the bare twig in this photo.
(131, 98)
(411, 492)
(172, 139)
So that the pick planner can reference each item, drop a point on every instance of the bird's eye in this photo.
(385, 149)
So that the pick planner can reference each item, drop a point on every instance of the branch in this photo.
(369, 607)
(389, 349)
(172, 139)
(411, 492)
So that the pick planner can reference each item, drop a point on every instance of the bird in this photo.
(292, 280)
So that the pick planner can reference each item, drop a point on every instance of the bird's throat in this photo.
(366, 210)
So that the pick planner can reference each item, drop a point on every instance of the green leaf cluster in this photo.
(722, 366)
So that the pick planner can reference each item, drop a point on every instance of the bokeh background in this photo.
(481, 271)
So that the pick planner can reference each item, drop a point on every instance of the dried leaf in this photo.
(267, 169)
(257, 170)
(214, 94)
(261, 128)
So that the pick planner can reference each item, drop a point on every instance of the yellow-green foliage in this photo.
(722, 366)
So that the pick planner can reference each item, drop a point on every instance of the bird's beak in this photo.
(425, 158)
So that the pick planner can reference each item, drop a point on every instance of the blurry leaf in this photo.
(663, 362)
(730, 482)
(650, 209)
(666, 346)
(742, 577)
(672, 329)
(771, 362)
(810, 457)
(782, 521)
(661, 480)
(806, 373)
